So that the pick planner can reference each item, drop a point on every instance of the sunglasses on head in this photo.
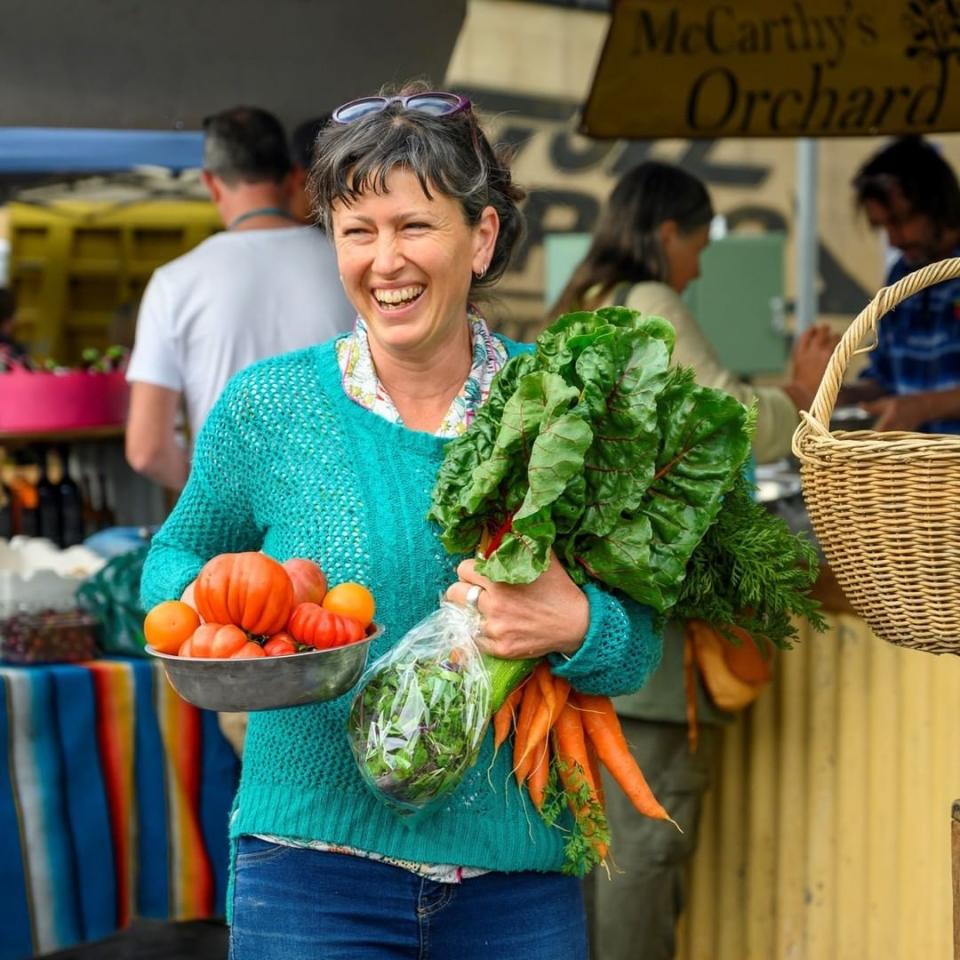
(434, 103)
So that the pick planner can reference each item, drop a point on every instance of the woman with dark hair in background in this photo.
(331, 453)
(645, 251)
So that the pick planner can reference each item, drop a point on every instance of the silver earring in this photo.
(482, 272)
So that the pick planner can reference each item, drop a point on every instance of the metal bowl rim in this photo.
(176, 658)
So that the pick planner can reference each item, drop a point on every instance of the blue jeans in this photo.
(291, 903)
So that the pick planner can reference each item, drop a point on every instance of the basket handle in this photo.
(818, 419)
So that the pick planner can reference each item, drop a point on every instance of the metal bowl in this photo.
(267, 683)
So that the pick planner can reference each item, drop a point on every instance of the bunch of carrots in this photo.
(560, 738)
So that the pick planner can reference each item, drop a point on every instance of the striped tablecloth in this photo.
(114, 797)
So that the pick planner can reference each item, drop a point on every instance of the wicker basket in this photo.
(886, 506)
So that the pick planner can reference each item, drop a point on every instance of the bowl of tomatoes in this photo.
(251, 633)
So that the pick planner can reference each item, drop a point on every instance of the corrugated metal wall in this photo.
(827, 833)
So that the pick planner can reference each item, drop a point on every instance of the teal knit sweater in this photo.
(287, 463)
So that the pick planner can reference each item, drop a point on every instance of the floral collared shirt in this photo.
(361, 384)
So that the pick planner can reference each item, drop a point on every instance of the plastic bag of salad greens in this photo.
(422, 710)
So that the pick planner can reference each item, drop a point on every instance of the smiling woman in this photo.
(423, 212)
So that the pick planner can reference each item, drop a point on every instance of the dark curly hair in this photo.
(924, 178)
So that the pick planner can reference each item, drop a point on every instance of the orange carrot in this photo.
(529, 705)
(560, 691)
(539, 775)
(574, 769)
(572, 750)
(504, 717)
(603, 728)
(594, 762)
(554, 691)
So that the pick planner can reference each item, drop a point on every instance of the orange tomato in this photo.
(201, 643)
(169, 625)
(351, 600)
(227, 641)
(248, 651)
(249, 590)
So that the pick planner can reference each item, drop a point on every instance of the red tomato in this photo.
(309, 583)
(317, 626)
(281, 645)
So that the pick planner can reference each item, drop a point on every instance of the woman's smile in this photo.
(396, 299)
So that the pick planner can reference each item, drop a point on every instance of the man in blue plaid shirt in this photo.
(913, 379)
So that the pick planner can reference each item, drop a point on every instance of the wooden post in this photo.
(955, 858)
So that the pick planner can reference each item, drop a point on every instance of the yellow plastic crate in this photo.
(76, 264)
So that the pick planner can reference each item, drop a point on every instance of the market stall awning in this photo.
(40, 150)
(777, 68)
(164, 66)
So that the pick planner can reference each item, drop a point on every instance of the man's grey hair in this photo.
(245, 145)
(447, 154)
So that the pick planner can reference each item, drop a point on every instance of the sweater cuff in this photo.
(619, 651)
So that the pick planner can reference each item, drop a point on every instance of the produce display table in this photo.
(114, 798)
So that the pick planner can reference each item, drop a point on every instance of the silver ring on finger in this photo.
(473, 596)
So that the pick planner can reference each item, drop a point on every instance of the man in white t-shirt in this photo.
(266, 285)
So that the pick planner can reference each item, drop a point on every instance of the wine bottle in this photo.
(71, 504)
(107, 516)
(25, 511)
(48, 502)
(91, 516)
(6, 512)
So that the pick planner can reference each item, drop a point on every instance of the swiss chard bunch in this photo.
(595, 447)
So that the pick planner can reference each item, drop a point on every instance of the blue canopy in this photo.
(62, 150)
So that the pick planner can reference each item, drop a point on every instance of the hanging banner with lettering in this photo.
(777, 68)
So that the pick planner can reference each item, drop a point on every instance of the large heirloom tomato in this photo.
(322, 629)
(249, 590)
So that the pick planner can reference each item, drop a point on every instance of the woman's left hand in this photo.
(550, 615)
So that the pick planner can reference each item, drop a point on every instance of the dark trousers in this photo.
(633, 914)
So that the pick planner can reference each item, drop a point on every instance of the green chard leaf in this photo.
(468, 495)
(538, 420)
(705, 438)
(622, 378)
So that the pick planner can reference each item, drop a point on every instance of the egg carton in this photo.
(37, 575)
